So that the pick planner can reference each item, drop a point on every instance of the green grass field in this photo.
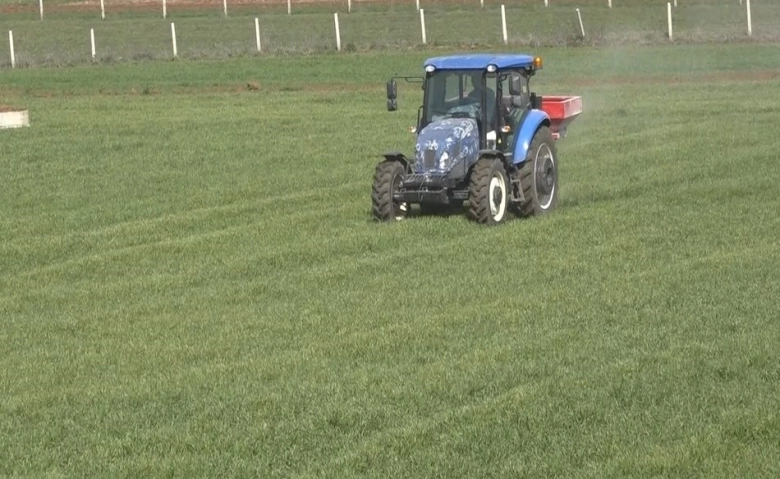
(191, 284)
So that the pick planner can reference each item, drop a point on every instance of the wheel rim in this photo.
(399, 209)
(544, 178)
(497, 196)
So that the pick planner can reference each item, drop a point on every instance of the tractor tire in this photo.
(489, 192)
(387, 179)
(539, 176)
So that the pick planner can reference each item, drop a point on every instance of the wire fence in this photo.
(66, 33)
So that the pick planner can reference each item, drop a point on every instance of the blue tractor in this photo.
(482, 138)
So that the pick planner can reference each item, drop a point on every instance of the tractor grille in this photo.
(429, 159)
(422, 180)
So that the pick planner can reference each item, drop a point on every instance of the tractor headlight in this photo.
(492, 68)
(430, 68)
(443, 160)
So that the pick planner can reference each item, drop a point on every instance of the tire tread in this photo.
(530, 205)
(382, 190)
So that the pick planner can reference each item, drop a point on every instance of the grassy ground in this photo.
(132, 35)
(190, 283)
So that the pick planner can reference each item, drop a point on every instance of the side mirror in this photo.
(392, 95)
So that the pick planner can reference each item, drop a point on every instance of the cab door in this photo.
(513, 103)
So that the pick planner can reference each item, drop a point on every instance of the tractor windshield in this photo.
(458, 94)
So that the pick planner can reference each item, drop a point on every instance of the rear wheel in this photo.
(539, 175)
(387, 180)
(488, 192)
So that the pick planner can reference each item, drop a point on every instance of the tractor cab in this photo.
(491, 90)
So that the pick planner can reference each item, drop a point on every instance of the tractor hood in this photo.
(445, 144)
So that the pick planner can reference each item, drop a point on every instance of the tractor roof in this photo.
(480, 61)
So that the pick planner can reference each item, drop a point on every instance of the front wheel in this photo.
(387, 180)
(488, 192)
(539, 175)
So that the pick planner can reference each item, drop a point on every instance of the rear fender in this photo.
(525, 136)
(400, 158)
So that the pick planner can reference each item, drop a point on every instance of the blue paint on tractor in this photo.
(445, 144)
(480, 61)
(525, 136)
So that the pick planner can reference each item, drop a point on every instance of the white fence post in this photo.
(224, 7)
(173, 41)
(582, 28)
(40, 7)
(102, 9)
(165, 8)
(257, 34)
(675, 3)
(92, 41)
(609, 2)
(417, 4)
(503, 23)
(669, 18)
(422, 26)
(349, 6)
(545, 3)
(338, 32)
(289, 8)
(482, 3)
(750, 23)
(11, 44)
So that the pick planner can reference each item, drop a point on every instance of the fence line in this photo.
(338, 32)
(349, 8)
(423, 28)
(503, 24)
(11, 44)
(173, 41)
(257, 35)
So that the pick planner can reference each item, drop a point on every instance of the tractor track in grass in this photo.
(153, 231)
